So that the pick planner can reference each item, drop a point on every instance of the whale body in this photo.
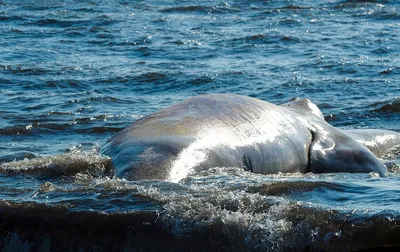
(227, 130)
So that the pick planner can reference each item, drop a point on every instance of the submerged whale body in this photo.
(226, 130)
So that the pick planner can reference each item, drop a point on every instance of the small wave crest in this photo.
(390, 106)
(217, 9)
(287, 187)
(391, 158)
(84, 123)
(76, 161)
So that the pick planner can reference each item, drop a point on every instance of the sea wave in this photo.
(201, 9)
(389, 106)
(76, 161)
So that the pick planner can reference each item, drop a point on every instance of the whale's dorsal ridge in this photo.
(305, 107)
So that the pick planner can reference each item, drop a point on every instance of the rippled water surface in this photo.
(73, 73)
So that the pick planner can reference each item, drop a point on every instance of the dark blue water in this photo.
(73, 73)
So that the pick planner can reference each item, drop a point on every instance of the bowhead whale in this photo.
(227, 130)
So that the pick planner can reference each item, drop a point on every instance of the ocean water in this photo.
(74, 73)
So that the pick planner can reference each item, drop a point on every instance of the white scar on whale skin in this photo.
(325, 150)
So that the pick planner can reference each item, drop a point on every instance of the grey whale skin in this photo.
(227, 130)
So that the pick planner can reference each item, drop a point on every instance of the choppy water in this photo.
(73, 73)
